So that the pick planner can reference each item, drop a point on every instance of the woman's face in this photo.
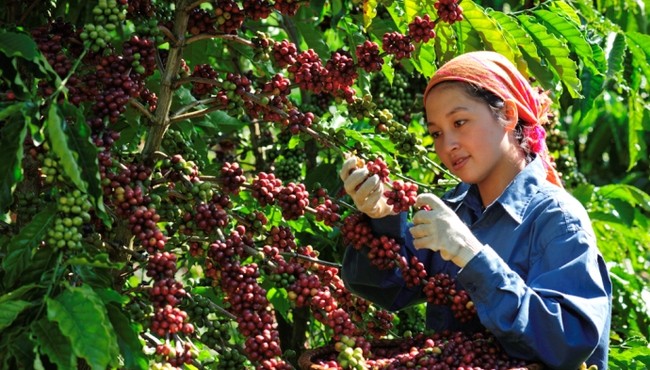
(468, 138)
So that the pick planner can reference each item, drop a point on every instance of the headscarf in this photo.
(494, 72)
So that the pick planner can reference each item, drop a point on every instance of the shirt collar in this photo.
(514, 198)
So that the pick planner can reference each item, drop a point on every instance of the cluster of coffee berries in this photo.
(421, 29)
(368, 57)
(349, 355)
(72, 214)
(232, 176)
(201, 21)
(288, 166)
(402, 195)
(229, 17)
(107, 14)
(440, 289)
(206, 73)
(398, 45)
(449, 10)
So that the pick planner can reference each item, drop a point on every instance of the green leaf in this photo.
(40, 266)
(412, 8)
(529, 55)
(617, 46)
(555, 52)
(280, 301)
(79, 141)
(426, 60)
(54, 344)
(21, 246)
(445, 43)
(565, 9)
(629, 194)
(592, 84)
(83, 319)
(19, 45)
(9, 311)
(396, 11)
(109, 296)
(18, 293)
(12, 137)
(487, 28)
(639, 45)
(221, 121)
(496, 17)
(313, 37)
(637, 149)
(19, 348)
(55, 130)
(570, 32)
(127, 339)
(468, 38)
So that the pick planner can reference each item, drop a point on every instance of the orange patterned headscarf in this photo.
(494, 72)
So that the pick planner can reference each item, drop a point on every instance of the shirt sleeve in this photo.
(385, 288)
(559, 314)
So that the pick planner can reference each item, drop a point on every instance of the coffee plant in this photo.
(169, 191)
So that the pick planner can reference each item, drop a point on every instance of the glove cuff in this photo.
(467, 253)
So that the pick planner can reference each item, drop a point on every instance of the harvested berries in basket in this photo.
(446, 350)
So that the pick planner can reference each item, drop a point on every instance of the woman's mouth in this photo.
(459, 163)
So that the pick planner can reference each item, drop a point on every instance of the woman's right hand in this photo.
(367, 191)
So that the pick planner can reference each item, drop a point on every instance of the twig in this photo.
(151, 338)
(203, 80)
(310, 259)
(137, 105)
(138, 256)
(193, 5)
(195, 114)
(207, 36)
(193, 104)
(172, 39)
(218, 308)
(322, 139)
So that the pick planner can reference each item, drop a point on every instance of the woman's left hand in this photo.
(440, 229)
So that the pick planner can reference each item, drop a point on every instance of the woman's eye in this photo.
(435, 134)
(459, 122)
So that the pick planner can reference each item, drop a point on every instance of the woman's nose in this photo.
(449, 142)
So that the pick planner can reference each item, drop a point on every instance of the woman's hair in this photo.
(496, 105)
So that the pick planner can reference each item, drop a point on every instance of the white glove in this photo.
(366, 191)
(440, 229)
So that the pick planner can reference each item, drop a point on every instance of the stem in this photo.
(193, 5)
(168, 34)
(195, 114)
(323, 139)
(188, 107)
(138, 256)
(310, 259)
(220, 309)
(442, 169)
(161, 120)
(151, 338)
(137, 105)
(207, 36)
(203, 80)
(55, 278)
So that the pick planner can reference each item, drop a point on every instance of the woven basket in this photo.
(307, 360)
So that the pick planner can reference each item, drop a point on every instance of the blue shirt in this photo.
(540, 284)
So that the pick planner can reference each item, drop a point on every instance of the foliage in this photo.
(133, 129)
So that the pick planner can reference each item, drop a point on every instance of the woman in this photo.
(512, 237)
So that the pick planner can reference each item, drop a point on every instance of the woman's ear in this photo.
(511, 114)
